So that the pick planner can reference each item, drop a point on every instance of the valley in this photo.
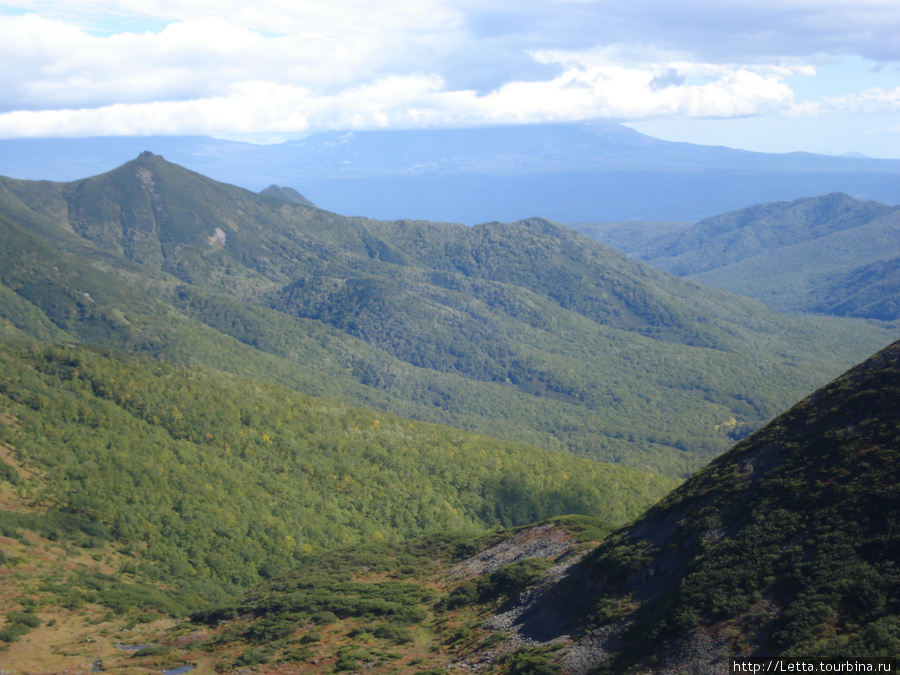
(526, 331)
(240, 433)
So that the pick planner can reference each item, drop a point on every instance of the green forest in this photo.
(527, 332)
(215, 482)
(831, 254)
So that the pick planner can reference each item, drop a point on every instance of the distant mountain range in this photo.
(526, 331)
(564, 172)
(830, 254)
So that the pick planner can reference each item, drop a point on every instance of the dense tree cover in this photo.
(210, 480)
(745, 233)
(870, 291)
(528, 332)
(831, 254)
(788, 543)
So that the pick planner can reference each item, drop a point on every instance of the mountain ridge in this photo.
(564, 172)
(808, 255)
(811, 495)
(485, 327)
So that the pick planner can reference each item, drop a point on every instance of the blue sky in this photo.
(770, 75)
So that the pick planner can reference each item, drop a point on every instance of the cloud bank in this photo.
(227, 68)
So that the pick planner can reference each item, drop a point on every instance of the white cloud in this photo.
(287, 66)
(584, 92)
(50, 64)
(416, 101)
(871, 101)
(337, 17)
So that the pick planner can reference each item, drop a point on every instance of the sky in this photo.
(767, 75)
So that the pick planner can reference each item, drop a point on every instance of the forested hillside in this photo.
(784, 546)
(526, 331)
(212, 480)
(831, 254)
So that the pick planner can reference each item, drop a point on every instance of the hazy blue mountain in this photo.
(758, 230)
(630, 236)
(565, 172)
(831, 254)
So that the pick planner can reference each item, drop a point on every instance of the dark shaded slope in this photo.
(785, 545)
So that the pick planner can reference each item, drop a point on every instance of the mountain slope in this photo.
(785, 545)
(870, 291)
(739, 235)
(287, 194)
(527, 331)
(213, 482)
(794, 256)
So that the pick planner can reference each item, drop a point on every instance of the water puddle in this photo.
(130, 648)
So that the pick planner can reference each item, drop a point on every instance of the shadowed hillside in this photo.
(785, 545)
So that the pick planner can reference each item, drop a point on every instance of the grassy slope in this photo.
(411, 607)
